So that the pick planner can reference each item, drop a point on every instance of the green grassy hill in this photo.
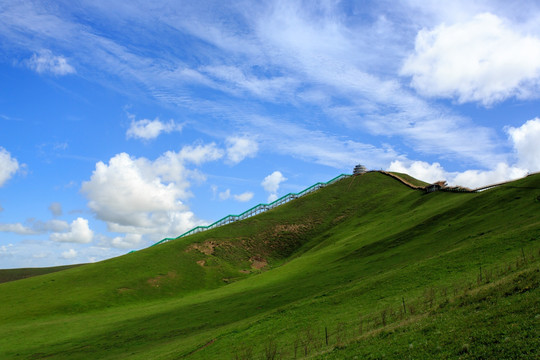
(366, 263)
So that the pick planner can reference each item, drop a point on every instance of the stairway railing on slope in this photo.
(260, 208)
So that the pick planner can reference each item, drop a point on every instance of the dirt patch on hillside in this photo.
(206, 247)
(158, 280)
(290, 228)
(201, 263)
(258, 262)
(340, 218)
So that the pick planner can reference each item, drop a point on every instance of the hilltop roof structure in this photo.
(359, 170)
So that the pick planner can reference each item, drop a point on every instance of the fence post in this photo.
(326, 335)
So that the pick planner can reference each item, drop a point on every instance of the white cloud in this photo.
(69, 254)
(32, 227)
(200, 154)
(8, 166)
(239, 148)
(56, 208)
(129, 241)
(483, 60)
(477, 178)
(526, 139)
(283, 48)
(236, 78)
(224, 195)
(138, 196)
(17, 228)
(244, 197)
(46, 62)
(150, 129)
(79, 232)
(54, 225)
(271, 184)
(470, 178)
(420, 170)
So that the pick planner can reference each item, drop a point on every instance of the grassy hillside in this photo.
(408, 178)
(336, 259)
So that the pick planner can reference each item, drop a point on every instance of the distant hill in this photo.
(17, 274)
(365, 267)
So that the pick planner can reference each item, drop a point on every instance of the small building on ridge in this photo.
(359, 170)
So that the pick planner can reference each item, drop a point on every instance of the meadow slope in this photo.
(347, 256)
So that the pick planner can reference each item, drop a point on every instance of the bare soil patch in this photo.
(258, 262)
(158, 280)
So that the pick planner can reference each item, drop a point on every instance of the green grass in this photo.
(410, 179)
(500, 320)
(348, 251)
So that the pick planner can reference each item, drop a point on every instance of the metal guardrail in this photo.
(257, 209)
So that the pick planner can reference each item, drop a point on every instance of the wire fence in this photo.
(318, 339)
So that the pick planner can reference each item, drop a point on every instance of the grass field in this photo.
(341, 261)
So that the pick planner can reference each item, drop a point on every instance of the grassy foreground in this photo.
(337, 264)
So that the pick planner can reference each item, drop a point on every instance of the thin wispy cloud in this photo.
(46, 62)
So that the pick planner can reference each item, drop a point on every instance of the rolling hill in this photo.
(365, 267)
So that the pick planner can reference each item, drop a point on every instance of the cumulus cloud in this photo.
(420, 170)
(8, 166)
(55, 208)
(482, 60)
(79, 232)
(478, 178)
(150, 129)
(129, 241)
(69, 254)
(525, 142)
(239, 148)
(244, 197)
(139, 196)
(271, 184)
(526, 139)
(200, 154)
(470, 178)
(46, 62)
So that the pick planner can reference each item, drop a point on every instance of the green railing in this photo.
(257, 209)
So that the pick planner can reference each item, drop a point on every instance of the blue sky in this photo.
(122, 123)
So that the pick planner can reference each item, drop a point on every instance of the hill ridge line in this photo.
(262, 207)
(257, 209)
